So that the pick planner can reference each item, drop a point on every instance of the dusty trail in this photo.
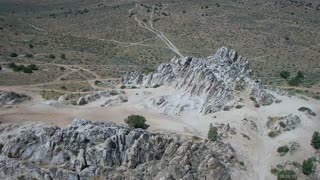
(158, 33)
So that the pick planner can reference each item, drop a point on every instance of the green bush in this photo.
(283, 150)
(285, 74)
(136, 121)
(315, 142)
(213, 133)
(287, 175)
(13, 54)
(308, 166)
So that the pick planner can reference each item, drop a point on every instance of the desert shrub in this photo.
(308, 166)
(156, 86)
(287, 175)
(213, 133)
(30, 46)
(296, 81)
(122, 87)
(28, 56)
(97, 82)
(113, 93)
(300, 75)
(226, 108)
(283, 150)
(273, 134)
(238, 106)
(12, 65)
(183, 12)
(285, 74)
(274, 171)
(308, 110)
(253, 99)
(18, 68)
(62, 68)
(315, 141)
(13, 54)
(136, 121)
(27, 70)
(63, 56)
(33, 67)
(52, 56)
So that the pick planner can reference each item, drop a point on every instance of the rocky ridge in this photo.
(203, 84)
(94, 149)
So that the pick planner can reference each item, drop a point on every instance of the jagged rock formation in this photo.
(285, 123)
(86, 149)
(10, 98)
(204, 84)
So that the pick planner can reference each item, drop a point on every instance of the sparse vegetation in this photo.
(136, 121)
(213, 133)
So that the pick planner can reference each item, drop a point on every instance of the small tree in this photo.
(213, 133)
(136, 121)
(285, 74)
(315, 142)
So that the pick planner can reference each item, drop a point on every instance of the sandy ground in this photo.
(259, 153)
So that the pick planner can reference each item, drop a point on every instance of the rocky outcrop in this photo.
(205, 84)
(285, 123)
(93, 149)
(10, 98)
